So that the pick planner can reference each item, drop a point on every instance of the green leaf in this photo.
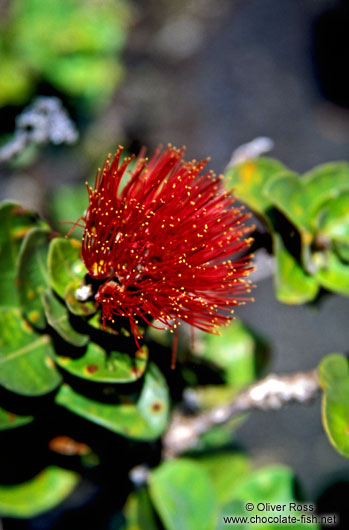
(58, 317)
(334, 274)
(300, 198)
(98, 366)
(274, 484)
(76, 307)
(248, 181)
(41, 493)
(65, 264)
(226, 471)
(334, 381)
(342, 250)
(141, 416)
(139, 512)
(26, 359)
(32, 275)
(234, 509)
(10, 420)
(183, 496)
(333, 219)
(68, 203)
(96, 322)
(286, 191)
(15, 222)
(324, 183)
(234, 351)
(292, 284)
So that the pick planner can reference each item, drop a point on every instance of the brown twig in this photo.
(272, 392)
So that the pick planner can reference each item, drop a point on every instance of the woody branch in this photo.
(272, 392)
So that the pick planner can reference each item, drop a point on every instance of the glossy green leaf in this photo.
(15, 222)
(37, 495)
(10, 420)
(226, 471)
(334, 381)
(292, 284)
(249, 179)
(32, 275)
(287, 192)
(141, 416)
(65, 264)
(58, 317)
(324, 183)
(139, 512)
(26, 359)
(98, 366)
(333, 220)
(300, 198)
(76, 307)
(334, 274)
(183, 496)
(234, 351)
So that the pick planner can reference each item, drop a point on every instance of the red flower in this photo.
(163, 244)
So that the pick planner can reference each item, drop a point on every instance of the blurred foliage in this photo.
(334, 381)
(39, 494)
(73, 45)
(308, 218)
(189, 494)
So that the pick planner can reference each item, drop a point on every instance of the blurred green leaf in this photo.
(300, 198)
(333, 274)
(93, 77)
(183, 496)
(68, 203)
(226, 470)
(16, 79)
(98, 366)
(141, 416)
(274, 484)
(324, 183)
(234, 350)
(41, 493)
(334, 381)
(287, 192)
(342, 250)
(65, 264)
(333, 220)
(233, 509)
(249, 179)
(15, 222)
(58, 317)
(26, 359)
(10, 420)
(32, 275)
(292, 284)
(61, 42)
(139, 512)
